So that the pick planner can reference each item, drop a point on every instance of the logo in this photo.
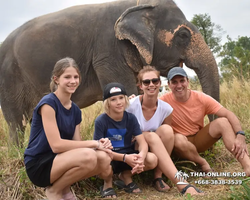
(106, 193)
(182, 177)
(114, 90)
(116, 138)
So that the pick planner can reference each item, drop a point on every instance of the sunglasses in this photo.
(155, 81)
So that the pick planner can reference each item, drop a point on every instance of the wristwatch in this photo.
(241, 133)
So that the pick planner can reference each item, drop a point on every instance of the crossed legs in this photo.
(74, 165)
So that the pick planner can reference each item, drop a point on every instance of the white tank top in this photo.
(162, 112)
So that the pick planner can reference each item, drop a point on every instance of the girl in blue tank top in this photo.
(56, 157)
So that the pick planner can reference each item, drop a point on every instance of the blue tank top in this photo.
(67, 120)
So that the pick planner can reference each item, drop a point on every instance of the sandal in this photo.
(161, 187)
(183, 191)
(128, 188)
(131, 187)
(119, 184)
(108, 192)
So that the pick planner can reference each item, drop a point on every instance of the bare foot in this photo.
(69, 196)
(52, 195)
(193, 192)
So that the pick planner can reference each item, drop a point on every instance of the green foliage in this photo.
(211, 32)
(241, 193)
(188, 197)
(235, 59)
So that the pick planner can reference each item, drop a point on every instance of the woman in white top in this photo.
(154, 117)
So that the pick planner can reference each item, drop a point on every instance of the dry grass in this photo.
(15, 185)
(236, 96)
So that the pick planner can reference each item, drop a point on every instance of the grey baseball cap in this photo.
(176, 71)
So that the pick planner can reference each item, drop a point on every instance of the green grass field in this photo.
(14, 183)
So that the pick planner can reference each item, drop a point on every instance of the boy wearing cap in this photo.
(121, 128)
(191, 137)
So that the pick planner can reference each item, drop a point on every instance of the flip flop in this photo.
(108, 192)
(161, 187)
(183, 191)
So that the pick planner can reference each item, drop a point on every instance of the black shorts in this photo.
(38, 170)
(119, 166)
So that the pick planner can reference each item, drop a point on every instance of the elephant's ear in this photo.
(137, 25)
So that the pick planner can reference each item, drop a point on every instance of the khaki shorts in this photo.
(202, 140)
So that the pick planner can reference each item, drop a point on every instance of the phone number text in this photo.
(219, 182)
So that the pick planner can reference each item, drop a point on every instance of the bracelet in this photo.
(241, 133)
(124, 157)
(97, 145)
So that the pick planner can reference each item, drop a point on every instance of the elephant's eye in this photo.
(183, 35)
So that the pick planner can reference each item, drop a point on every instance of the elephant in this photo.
(109, 41)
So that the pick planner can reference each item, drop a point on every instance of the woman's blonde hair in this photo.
(59, 69)
(106, 104)
(144, 70)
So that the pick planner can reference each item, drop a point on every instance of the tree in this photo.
(235, 58)
(211, 32)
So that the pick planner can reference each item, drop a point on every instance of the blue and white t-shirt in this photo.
(120, 133)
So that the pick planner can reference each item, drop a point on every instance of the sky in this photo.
(232, 16)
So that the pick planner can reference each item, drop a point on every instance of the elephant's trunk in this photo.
(201, 60)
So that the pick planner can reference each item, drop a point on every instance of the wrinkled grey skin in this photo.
(110, 42)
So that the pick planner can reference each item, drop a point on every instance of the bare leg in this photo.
(106, 170)
(150, 161)
(166, 134)
(222, 127)
(70, 167)
(67, 194)
(187, 150)
(164, 161)
(203, 140)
